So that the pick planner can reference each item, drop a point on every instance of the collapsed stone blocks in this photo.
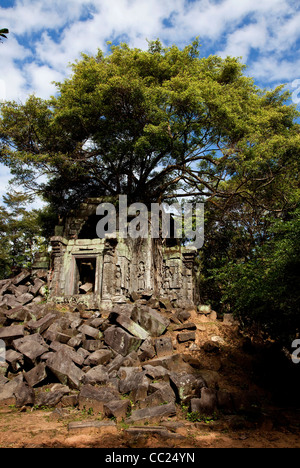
(102, 361)
(121, 341)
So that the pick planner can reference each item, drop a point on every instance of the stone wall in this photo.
(102, 272)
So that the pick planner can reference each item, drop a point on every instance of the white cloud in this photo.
(41, 79)
(4, 178)
(50, 35)
(274, 70)
(241, 41)
(29, 16)
(45, 36)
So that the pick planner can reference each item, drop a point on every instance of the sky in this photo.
(47, 35)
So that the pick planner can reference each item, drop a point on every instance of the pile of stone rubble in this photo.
(23, 289)
(122, 364)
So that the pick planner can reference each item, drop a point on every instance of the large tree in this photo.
(154, 125)
(20, 234)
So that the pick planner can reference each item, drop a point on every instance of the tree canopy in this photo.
(20, 233)
(164, 124)
(153, 125)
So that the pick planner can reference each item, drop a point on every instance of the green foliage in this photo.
(20, 235)
(149, 124)
(3, 33)
(162, 124)
(265, 288)
(195, 416)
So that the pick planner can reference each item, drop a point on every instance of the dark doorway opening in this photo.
(86, 278)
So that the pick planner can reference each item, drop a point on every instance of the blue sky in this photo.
(45, 36)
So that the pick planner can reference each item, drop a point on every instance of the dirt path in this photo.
(231, 369)
(35, 429)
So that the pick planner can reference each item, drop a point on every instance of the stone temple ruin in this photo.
(102, 272)
(110, 329)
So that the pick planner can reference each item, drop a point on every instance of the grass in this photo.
(195, 416)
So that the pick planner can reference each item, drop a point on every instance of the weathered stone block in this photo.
(34, 289)
(119, 361)
(155, 399)
(97, 375)
(51, 333)
(165, 303)
(186, 336)
(92, 345)
(9, 389)
(4, 285)
(39, 326)
(19, 290)
(92, 427)
(134, 296)
(149, 319)
(83, 353)
(90, 331)
(146, 350)
(76, 357)
(36, 375)
(15, 359)
(24, 395)
(64, 336)
(164, 346)
(158, 431)
(172, 363)
(86, 288)
(23, 276)
(185, 326)
(165, 390)
(206, 404)
(18, 314)
(131, 378)
(75, 341)
(53, 397)
(183, 315)
(140, 392)
(25, 298)
(211, 347)
(121, 341)
(31, 346)
(101, 356)
(71, 320)
(117, 409)
(61, 365)
(156, 372)
(69, 400)
(154, 414)
(8, 334)
(187, 385)
(11, 301)
(95, 398)
(132, 327)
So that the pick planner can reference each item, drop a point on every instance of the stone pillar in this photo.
(188, 259)
(59, 245)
